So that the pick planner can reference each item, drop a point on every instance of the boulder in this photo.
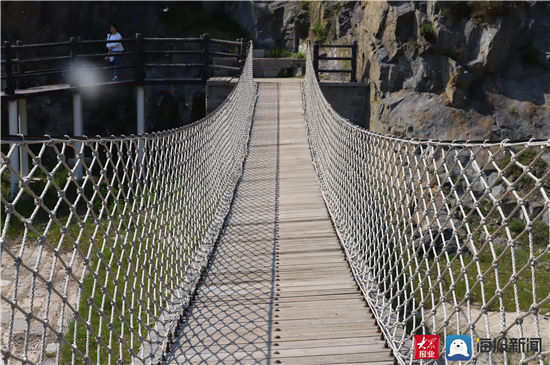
(268, 24)
(51, 348)
(491, 46)
(295, 26)
(400, 27)
(458, 85)
(425, 115)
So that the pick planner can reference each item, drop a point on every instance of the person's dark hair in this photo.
(114, 26)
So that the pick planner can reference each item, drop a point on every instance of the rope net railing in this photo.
(444, 238)
(100, 269)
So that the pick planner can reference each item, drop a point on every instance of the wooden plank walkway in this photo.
(278, 288)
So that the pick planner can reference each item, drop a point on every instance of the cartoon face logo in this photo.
(458, 347)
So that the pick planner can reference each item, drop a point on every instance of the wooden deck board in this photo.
(278, 289)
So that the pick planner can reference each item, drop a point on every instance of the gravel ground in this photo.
(47, 267)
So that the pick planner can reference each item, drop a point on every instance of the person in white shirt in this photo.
(114, 48)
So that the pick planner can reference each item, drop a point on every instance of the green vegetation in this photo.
(70, 233)
(101, 290)
(454, 52)
(507, 259)
(489, 11)
(304, 5)
(453, 275)
(478, 11)
(427, 31)
(283, 53)
(526, 157)
(514, 243)
(284, 72)
(117, 276)
(320, 31)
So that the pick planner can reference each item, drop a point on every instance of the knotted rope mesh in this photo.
(442, 237)
(100, 269)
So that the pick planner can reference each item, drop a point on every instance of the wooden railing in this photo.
(352, 58)
(141, 54)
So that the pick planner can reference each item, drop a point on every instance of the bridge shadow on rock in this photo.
(230, 320)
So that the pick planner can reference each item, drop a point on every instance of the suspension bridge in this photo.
(272, 231)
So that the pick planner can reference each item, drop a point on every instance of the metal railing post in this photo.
(353, 77)
(204, 56)
(316, 58)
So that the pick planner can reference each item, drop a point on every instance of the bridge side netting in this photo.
(443, 238)
(99, 270)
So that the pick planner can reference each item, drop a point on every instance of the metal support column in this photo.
(14, 158)
(23, 130)
(140, 102)
(78, 129)
(140, 91)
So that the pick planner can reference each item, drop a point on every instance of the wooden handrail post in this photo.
(243, 52)
(316, 58)
(243, 47)
(204, 56)
(353, 77)
(73, 53)
(10, 86)
(239, 51)
(140, 61)
(19, 68)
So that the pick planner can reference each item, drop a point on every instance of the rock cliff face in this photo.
(271, 24)
(446, 70)
(457, 70)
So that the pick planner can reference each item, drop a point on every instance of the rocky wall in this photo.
(437, 69)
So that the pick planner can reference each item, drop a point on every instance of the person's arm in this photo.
(109, 47)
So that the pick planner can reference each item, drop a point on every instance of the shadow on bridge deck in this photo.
(278, 288)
